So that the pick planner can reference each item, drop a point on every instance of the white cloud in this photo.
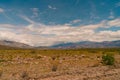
(1, 10)
(38, 34)
(27, 19)
(111, 15)
(115, 22)
(75, 21)
(5, 15)
(6, 26)
(51, 7)
(35, 12)
(106, 36)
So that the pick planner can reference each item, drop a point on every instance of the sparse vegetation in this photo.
(108, 59)
(24, 75)
(29, 63)
(54, 68)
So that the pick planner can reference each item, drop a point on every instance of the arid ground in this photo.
(73, 64)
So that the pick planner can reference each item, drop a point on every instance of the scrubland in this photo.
(56, 64)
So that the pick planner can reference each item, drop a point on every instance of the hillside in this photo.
(88, 44)
(12, 44)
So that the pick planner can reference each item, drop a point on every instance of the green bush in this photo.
(108, 59)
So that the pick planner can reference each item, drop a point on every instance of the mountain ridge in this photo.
(70, 45)
(14, 44)
(90, 44)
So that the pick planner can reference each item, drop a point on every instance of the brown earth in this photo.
(66, 66)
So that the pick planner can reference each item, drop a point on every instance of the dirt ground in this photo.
(62, 67)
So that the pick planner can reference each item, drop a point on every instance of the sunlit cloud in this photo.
(39, 34)
(111, 15)
(51, 7)
(1, 10)
(35, 12)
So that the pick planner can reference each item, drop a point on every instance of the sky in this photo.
(51, 22)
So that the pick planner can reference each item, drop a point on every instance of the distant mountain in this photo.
(4, 44)
(42, 47)
(7, 47)
(13, 44)
(89, 44)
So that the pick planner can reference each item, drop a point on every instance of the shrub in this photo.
(54, 68)
(108, 59)
(1, 73)
(33, 51)
(54, 65)
(53, 57)
(24, 75)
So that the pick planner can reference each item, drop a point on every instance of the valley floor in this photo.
(58, 65)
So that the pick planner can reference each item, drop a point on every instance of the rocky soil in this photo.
(59, 67)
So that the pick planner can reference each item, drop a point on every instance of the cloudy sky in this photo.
(50, 22)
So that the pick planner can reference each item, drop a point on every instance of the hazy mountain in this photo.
(84, 44)
(89, 44)
(13, 44)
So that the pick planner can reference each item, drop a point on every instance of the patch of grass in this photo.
(1, 60)
(108, 59)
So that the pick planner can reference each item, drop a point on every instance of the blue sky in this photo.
(49, 22)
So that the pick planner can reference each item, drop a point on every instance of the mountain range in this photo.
(89, 44)
(13, 44)
(83, 44)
